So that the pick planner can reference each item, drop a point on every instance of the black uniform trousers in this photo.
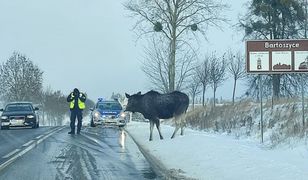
(74, 114)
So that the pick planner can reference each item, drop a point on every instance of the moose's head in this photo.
(134, 102)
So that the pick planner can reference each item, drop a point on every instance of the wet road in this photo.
(50, 153)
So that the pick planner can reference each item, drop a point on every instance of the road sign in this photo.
(277, 56)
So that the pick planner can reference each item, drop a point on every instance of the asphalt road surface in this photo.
(50, 153)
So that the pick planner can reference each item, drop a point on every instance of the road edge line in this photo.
(12, 159)
(158, 167)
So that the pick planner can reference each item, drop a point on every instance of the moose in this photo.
(155, 106)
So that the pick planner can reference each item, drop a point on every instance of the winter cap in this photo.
(76, 90)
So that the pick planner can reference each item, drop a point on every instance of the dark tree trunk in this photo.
(276, 86)
(203, 94)
(234, 86)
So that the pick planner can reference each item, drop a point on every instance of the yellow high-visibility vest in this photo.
(81, 104)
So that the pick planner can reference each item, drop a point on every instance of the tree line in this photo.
(173, 62)
(22, 80)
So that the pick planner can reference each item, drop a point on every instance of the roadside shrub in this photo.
(281, 122)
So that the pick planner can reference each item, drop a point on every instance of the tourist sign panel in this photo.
(277, 56)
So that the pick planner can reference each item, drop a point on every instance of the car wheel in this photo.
(5, 127)
(92, 123)
(34, 126)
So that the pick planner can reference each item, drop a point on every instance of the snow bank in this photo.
(202, 155)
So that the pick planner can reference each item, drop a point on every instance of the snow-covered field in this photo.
(202, 155)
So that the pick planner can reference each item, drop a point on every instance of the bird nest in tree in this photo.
(194, 27)
(158, 27)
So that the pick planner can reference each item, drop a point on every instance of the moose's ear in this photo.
(127, 95)
(139, 93)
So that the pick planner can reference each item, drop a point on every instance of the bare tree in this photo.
(194, 87)
(173, 19)
(20, 79)
(217, 73)
(203, 73)
(55, 107)
(290, 85)
(156, 66)
(236, 68)
(117, 96)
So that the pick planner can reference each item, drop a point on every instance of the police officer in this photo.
(77, 104)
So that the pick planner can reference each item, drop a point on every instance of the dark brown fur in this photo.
(154, 106)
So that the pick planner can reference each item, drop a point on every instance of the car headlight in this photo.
(123, 115)
(4, 117)
(96, 114)
(30, 116)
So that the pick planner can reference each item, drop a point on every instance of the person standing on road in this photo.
(77, 104)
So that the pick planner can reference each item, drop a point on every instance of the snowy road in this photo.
(50, 153)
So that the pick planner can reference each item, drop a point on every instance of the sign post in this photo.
(261, 105)
(303, 102)
(277, 57)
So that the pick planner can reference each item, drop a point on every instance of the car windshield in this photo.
(18, 107)
(109, 106)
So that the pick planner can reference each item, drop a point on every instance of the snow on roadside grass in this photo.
(204, 155)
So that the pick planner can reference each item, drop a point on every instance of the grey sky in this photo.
(85, 44)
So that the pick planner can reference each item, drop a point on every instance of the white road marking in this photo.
(93, 139)
(11, 153)
(12, 159)
(27, 144)
(38, 137)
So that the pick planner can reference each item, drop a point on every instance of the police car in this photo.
(108, 112)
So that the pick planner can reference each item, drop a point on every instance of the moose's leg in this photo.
(176, 122)
(175, 130)
(183, 123)
(157, 122)
(182, 130)
(151, 129)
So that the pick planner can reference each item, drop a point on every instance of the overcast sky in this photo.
(88, 44)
